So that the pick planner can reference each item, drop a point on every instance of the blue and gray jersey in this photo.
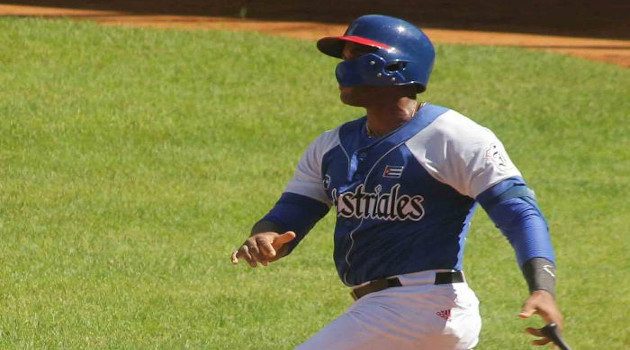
(404, 202)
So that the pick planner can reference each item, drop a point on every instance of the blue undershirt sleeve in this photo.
(512, 207)
(297, 213)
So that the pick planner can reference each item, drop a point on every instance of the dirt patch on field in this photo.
(599, 33)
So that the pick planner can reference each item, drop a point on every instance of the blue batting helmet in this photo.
(403, 54)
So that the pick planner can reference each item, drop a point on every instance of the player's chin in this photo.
(348, 95)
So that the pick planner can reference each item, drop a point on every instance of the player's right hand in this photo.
(263, 248)
(542, 303)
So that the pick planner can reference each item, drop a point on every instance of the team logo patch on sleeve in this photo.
(498, 156)
(393, 172)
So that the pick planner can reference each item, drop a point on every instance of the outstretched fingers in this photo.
(262, 248)
(243, 253)
(266, 248)
(283, 239)
(254, 252)
(534, 331)
(538, 333)
(543, 304)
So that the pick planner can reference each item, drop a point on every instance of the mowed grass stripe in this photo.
(132, 161)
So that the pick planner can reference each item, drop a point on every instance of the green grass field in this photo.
(133, 161)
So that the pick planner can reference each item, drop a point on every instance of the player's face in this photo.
(355, 95)
(362, 96)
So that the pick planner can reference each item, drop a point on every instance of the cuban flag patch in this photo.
(393, 172)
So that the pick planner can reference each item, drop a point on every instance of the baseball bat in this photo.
(551, 331)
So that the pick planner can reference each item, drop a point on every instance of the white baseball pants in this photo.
(419, 315)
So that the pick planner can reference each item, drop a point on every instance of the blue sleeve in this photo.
(512, 207)
(297, 213)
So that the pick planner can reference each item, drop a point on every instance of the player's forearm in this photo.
(512, 207)
(523, 225)
(530, 238)
(514, 210)
(540, 274)
(295, 213)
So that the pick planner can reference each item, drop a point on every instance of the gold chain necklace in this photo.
(374, 135)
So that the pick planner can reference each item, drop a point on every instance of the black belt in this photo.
(384, 283)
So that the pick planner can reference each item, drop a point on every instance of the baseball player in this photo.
(404, 181)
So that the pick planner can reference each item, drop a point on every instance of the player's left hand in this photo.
(542, 303)
(263, 248)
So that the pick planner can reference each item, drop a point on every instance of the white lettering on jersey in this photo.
(385, 206)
